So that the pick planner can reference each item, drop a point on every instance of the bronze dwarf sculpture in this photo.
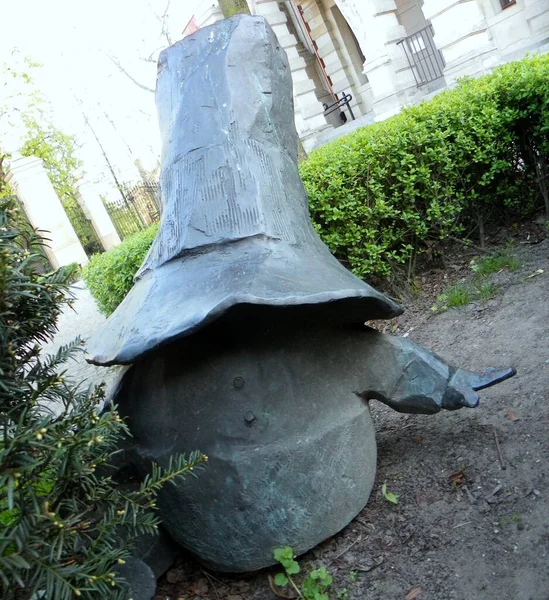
(245, 335)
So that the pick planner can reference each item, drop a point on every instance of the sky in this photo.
(73, 40)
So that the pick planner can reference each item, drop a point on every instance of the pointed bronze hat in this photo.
(235, 228)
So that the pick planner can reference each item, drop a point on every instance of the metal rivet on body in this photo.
(249, 417)
(238, 383)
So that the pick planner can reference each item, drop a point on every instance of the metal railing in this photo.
(424, 58)
(82, 226)
(344, 101)
(139, 208)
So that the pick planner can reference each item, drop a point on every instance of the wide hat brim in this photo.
(188, 293)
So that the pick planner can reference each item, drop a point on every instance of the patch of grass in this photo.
(457, 295)
(481, 289)
(486, 291)
(493, 263)
(514, 519)
(461, 295)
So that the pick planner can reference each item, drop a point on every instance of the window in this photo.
(507, 3)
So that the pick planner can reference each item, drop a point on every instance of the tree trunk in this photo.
(233, 7)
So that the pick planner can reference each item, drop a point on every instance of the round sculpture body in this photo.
(291, 447)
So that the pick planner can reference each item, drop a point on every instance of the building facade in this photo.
(381, 55)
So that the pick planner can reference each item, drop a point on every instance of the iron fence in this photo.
(137, 209)
(82, 226)
(424, 58)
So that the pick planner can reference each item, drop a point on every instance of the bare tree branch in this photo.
(103, 152)
(163, 20)
(129, 75)
(164, 33)
(165, 27)
(151, 58)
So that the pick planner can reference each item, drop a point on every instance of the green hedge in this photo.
(109, 276)
(469, 157)
(447, 167)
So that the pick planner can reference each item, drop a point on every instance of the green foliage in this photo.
(522, 87)
(285, 556)
(24, 109)
(389, 496)
(481, 288)
(18, 94)
(64, 527)
(74, 272)
(457, 295)
(18, 99)
(57, 151)
(109, 276)
(486, 291)
(447, 167)
(314, 585)
(495, 262)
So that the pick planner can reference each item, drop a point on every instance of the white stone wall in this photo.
(208, 13)
(89, 199)
(522, 26)
(332, 50)
(473, 36)
(477, 35)
(44, 210)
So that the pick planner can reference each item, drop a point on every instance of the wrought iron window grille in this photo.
(425, 59)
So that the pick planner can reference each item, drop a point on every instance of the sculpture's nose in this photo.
(463, 385)
(489, 377)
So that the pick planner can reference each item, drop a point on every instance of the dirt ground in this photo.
(472, 519)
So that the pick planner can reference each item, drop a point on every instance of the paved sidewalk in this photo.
(82, 320)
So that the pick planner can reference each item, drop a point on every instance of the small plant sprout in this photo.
(313, 587)
(389, 496)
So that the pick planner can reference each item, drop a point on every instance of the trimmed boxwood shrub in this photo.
(469, 157)
(472, 155)
(109, 276)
